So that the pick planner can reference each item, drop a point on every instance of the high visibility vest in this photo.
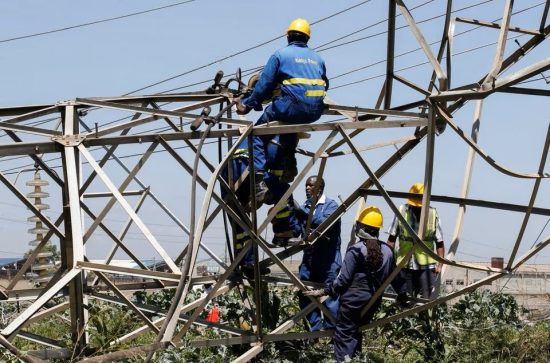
(406, 240)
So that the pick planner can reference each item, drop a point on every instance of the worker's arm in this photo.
(324, 77)
(345, 277)
(265, 85)
(393, 232)
(439, 245)
(440, 250)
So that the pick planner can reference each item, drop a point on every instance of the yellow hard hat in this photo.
(417, 188)
(299, 25)
(371, 216)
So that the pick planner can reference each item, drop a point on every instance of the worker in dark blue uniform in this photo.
(366, 265)
(321, 261)
(295, 78)
(239, 165)
(285, 219)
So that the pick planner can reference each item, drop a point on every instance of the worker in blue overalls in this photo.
(366, 265)
(285, 219)
(321, 261)
(295, 78)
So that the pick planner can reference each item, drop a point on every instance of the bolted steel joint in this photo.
(69, 140)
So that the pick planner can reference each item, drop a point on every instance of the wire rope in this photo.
(93, 22)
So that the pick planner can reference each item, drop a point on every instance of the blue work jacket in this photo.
(355, 283)
(327, 248)
(298, 70)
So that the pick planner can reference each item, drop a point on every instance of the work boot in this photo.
(261, 189)
(262, 193)
(285, 239)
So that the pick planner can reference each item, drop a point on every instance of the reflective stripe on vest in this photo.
(284, 213)
(277, 172)
(316, 93)
(240, 240)
(406, 241)
(306, 81)
(240, 153)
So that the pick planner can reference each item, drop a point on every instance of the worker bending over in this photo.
(421, 274)
(295, 78)
(366, 265)
(322, 260)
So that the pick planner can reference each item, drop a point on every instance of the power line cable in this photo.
(13, 170)
(252, 70)
(533, 245)
(316, 48)
(370, 78)
(418, 64)
(218, 60)
(239, 52)
(540, 234)
(404, 26)
(432, 43)
(369, 26)
(94, 22)
(258, 68)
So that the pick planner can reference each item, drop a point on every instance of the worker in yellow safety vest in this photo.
(421, 274)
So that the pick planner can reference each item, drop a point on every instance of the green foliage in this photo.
(7, 357)
(532, 343)
(422, 334)
(106, 323)
(483, 308)
(54, 327)
(480, 327)
(161, 299)
(48, 247)
(484, 327)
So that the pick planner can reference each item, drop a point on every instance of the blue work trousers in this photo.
(347, 337)
(239, 166)
(287, 110)
(277, 150)
(285, 219)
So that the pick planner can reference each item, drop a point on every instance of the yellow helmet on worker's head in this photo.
(371, 216)
(417, 188)
(299, 25)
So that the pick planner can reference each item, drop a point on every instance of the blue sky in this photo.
(117, 57)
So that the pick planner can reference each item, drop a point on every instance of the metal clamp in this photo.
(69, 140)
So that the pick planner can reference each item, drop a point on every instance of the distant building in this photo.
(203, 270)
(529, 284)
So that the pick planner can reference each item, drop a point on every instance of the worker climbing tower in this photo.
(193, 137)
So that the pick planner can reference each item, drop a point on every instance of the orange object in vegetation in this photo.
(213, 315)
